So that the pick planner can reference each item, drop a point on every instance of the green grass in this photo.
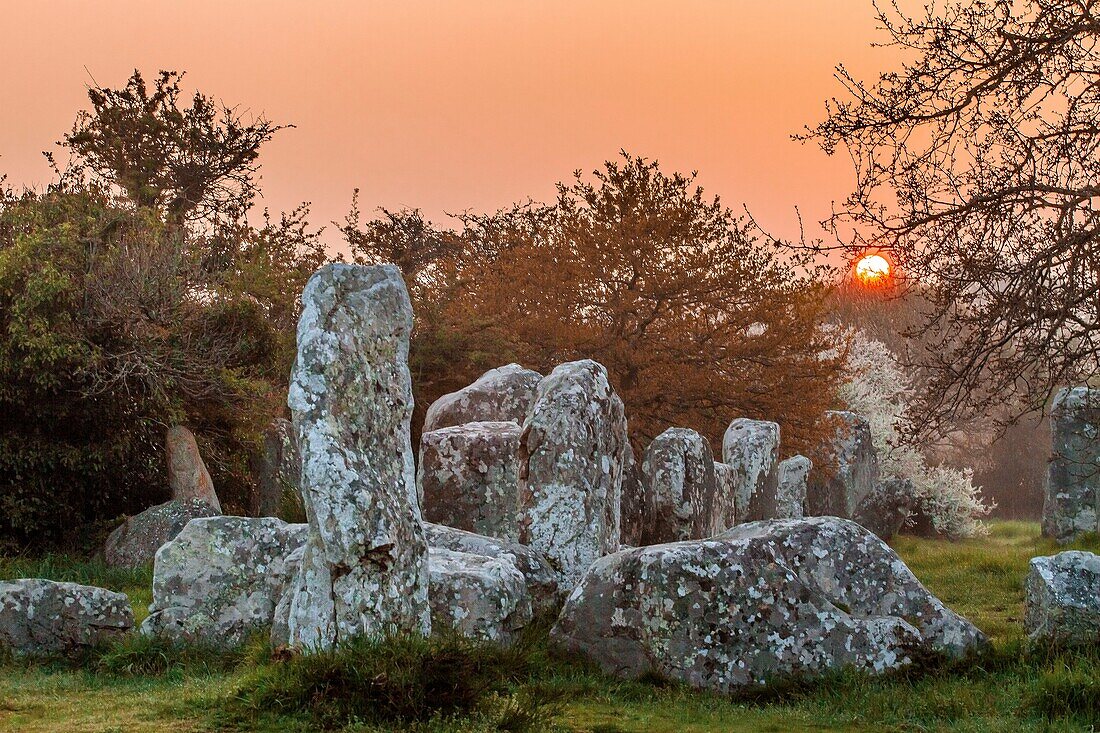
(145, 686)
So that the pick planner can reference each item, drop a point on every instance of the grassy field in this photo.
(142, 687)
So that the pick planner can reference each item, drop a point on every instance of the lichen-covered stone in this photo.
(572, 457)
(365, 565)
(135, 542)
(469, 477)
(221, 578)
(498, 395)
(479, 597)
(187, 474)
(44, 618)
(764, 600)
(790, 494)
(1072, 505)
(836, 489)
(886, 508)
(540, 577)
(633, 503)
(678, 481)
(751, 449)
(725, 495)
(1063, 599)
(277, 469)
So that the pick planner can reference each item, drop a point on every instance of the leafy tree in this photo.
(977, 169)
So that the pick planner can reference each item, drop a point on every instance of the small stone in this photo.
(135, 542)
(790, 497)
(836, 490)
(1072, 505)
(678, 480)
(187, 474)
(1063, 599)
(479, 597)
(43, 618)
(885, 510)
(751, 449)
(498, 395)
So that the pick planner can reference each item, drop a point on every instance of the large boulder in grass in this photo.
(477, 596)
(1063, 599)
(220, 580)
(469, 477)
(677, 479)
(836, 490)
(187, 474)
(885, 510)
(764, 600)
(539, 575)
(43, 618)
(1072, 504)
(277, 469)
(364, 569)
(498, 395)
(751, 449)
(573, 454)
(790, 494)
(135, 542)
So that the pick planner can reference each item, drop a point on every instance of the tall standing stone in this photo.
(791, 493)
(365, 564)
(572, 456)
(1072, 504)
(277, 469)
(498, 395)
(837, 490)
(678, 481)
(751, 448)
(469, 477)
(187, 474)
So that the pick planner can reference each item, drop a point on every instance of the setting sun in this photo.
(873, 268)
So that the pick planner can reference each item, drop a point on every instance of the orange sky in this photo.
(465, 105)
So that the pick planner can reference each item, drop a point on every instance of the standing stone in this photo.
(44, 618)
(1063, 599)
(469, 477)
(221, 578)
(498, 395)
(277, 469)
(886, 508)
(836, 490)
(790, 496)
(135, 542)
(187, 474)
(365, 564)
(633, 504)
(678, 481)
(1072, 505)
(765, 600)
(751, 448)
(572, 459)
(479, 597)
(725, 495)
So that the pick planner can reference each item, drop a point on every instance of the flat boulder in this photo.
(364, 569)
(677, 480)
(836, 489)
(1072, 504)
(187, 474)
(468, 477)
(572, 456)
(751, 449)
(135, 542)
(477, 596)
(499, 395)
(43, 618)
(790, 495)
(220, 580)
(765, 600)
(1063, 599)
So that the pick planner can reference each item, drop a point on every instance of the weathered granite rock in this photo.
(572, 457)
(633, 503)
(790, 494)
(135, 542)
(277, 469)
(1063, 599)
(836, 490)
(541, 578)
(499, 395)
(886, 508)
(678, 481)
(479, 597)
(469, 477)
(751, 449)
(44, 618)
(187, 474)
(765, 599)
(1072, 505)
(221, 578)
(725, 495)
(365, 565)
